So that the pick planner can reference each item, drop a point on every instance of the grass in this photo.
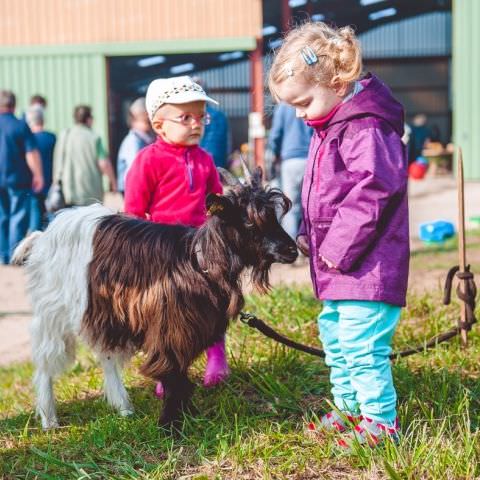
(252, 427)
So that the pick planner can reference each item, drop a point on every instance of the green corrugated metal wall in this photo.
(66, 80)
(466, 86)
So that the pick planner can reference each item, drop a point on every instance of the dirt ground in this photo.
(429, 200)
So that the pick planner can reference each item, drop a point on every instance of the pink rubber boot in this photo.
(159, 391)
(217, 367)
(216, 371)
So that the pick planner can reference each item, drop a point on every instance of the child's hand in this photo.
(302, 244)
(328, 263)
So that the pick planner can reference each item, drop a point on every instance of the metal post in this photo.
(309, 9)
(286, 16)
(257, 102)
(461, 239)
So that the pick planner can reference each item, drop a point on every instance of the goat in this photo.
(126, 285)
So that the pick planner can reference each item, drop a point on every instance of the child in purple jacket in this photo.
(355, 224)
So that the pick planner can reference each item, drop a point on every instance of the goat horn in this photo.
(228, 178)
(246, 171)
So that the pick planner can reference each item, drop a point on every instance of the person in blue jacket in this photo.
(289, 140)
(139, 136)
(20, 173)
(45, 144)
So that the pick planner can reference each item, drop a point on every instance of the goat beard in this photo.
(260, 276)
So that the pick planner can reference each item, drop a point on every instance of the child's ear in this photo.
(219, 205)
(341, 88)
(157, 124)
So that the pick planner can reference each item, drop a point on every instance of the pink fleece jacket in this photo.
(168, 184)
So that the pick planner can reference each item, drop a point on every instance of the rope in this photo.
(467, 296)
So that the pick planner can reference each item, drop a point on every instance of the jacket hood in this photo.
(375, 99)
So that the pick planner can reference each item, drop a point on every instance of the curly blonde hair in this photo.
(337, 49)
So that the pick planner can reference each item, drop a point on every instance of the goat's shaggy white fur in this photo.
(59, 294)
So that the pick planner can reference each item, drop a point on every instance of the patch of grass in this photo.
(252, 427)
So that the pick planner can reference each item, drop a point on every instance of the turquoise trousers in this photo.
(356, 336)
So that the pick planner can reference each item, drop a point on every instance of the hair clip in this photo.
(289, 71)
(308, 55)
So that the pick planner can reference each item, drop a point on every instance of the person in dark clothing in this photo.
(289, 140)
(20, 172)
(216, 138)
(419, 135)
(45, 144)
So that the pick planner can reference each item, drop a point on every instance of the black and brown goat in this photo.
(128, 285)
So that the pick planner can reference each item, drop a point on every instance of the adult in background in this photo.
(80, 160)
(45, 144)
(419, 135)
(289, 140)
(38, 101)
(20, 172)
(216, 137)
(139, 136)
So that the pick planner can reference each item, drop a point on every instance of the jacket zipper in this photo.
(308, 199)
(189, 171)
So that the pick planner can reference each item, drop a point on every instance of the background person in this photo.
(289, 140)
(45, 144)
(38, 100)
(216, 139)
(20, 172)
(139, 136)
(419, 136)
(80, 160)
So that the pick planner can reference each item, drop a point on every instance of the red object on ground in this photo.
(417, 170)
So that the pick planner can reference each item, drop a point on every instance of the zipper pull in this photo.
(189, 171)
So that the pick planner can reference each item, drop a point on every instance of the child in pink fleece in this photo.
(170, 179)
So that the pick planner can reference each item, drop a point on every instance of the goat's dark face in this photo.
(249, 215)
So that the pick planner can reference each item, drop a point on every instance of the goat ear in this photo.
(218, 205)
(257, 177)
(227, 178)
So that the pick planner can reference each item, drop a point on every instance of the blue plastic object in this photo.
(422, 160)
(436, 232)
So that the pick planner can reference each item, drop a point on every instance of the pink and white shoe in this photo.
(369, 433)
(334, 421)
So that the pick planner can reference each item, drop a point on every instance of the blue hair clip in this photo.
(308, 55)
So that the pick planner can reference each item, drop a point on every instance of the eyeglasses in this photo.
(187, 119)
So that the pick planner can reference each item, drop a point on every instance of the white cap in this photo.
(174, 90)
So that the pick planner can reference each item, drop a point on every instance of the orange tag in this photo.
(214, 209)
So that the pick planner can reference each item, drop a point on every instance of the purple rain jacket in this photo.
(354, 199)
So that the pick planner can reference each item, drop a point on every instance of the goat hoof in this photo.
(125, 412)
(169, 422)
(49, 425)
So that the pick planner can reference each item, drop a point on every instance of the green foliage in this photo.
(252, 427)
